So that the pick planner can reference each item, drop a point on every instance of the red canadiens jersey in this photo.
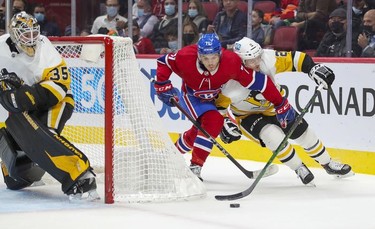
(196, 80)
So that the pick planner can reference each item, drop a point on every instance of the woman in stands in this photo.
(197, 15)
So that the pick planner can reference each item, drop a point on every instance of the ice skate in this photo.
(196, 169)
(305, 175)
(338, 169)
(84, 189)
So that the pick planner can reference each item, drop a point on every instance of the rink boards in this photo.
(342, 118)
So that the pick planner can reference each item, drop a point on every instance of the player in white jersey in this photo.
(35, 90)
(256, 116)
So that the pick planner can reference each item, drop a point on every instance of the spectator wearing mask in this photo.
(145, 19)
(197, 15)
(171, 37)
(46, 28)
(333, 43)
(167, 23)
(109, 20)
(190, 33)
(367, 39)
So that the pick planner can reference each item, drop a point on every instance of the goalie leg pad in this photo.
(50, 151)
(18, 170)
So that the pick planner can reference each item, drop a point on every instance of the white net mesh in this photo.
(146, 165)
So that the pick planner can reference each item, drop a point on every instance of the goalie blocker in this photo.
(48, 152)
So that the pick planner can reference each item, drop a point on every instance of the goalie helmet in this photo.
(209, 44)
(24, 31)
(247, 49)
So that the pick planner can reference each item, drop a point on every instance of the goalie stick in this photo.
(250, 174)
(274, 154)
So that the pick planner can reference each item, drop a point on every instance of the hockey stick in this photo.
(250, 174)
(274, 154)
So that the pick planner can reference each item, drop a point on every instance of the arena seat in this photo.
(265, 6)
(285, 38)
(211, 9)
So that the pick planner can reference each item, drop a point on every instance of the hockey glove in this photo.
(165, 92)
(321, 74)
(285, 113)
(9, 81)
(230, 132)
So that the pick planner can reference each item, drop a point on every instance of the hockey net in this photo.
(117, 126)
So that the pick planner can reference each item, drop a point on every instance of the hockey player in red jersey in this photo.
(204, 68)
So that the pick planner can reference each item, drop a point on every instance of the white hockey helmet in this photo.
(24, 31)
(247, 49)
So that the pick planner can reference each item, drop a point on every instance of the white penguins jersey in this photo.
(243, 101)
(46, 67)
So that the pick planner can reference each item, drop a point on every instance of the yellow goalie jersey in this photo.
(243, 102)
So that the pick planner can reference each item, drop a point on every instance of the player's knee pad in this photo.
(271, 135)
(18, 170)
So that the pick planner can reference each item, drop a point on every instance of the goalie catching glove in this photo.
(165, 92)
(321, 74)
(230, 132)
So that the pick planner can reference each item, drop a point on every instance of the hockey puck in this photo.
(234, 205)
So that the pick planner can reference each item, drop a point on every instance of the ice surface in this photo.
(279, 201)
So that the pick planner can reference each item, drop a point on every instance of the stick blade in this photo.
(230, 197)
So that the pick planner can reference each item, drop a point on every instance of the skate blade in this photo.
(311, 184)
(38, 183)
(272, 169)
(89, 196)
(349, 174)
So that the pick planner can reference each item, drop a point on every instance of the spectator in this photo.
(168, 22)
(46, 28)
(84, 33)
(18, 6)
(190, 33)
(358, 10)
(333, 43)
(141, 45)
(171, 37)
(367, 39)
(197, 14)
(109, 20)
(258, 34)
(311, 19)
(230, 24)
(145, 19)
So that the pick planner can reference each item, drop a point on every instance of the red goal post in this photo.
(117, 126)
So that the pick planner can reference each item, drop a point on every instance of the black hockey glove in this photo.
(230, 132)
(321, 74)
(9, 81)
